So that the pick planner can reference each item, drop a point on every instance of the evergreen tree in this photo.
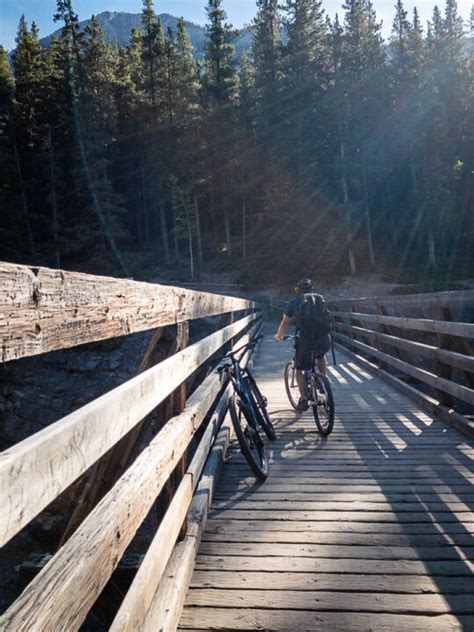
(220, 85)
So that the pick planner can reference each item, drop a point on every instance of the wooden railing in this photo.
(423, 338)
(43, 310)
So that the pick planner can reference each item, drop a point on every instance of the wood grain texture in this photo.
(43, 310)
(372, 528)
(450, 358)
(461, 298)
(35, 471)
(464, 330)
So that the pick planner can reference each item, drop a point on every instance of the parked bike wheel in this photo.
(291, 385)
(250, 441)
(260, 403)
(323, 404)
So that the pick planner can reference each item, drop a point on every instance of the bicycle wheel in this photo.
(260, 404)
(291, 385)
(249, 439)
(323, 404)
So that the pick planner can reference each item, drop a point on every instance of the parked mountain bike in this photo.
(248, 411)
(320, 396)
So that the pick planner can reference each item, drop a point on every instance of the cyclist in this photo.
(306, 342)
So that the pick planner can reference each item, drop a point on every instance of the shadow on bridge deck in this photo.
(369, 529)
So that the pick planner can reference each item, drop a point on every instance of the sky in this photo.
(239, 12)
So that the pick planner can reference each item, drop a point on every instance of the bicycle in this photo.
(320, 395)
(248, 411)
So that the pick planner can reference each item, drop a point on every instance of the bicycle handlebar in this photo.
(250, 344)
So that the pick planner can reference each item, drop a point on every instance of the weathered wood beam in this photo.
(44, 310)
(464, 330)
(461, 298)
(451, 358)
(60, 597)
(35, 471)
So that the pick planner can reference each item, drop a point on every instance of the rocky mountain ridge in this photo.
(118, 25)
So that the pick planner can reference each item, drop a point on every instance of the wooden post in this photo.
(443, 370)
(450, 343)
(174, 405)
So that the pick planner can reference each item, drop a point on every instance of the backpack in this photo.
(312, 317)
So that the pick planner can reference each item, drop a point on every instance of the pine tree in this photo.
(11, 223)
(267, 54)
(220, 85)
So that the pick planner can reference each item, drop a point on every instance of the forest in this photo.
(324, 149)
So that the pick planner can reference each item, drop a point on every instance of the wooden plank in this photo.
(460, 299)
(334, 505)
(318, 601)
(464, 330)
(445, 356)
(452, 528)
(340, 583)
(286, 620)
(137, 601)
(52, 459)
(332, 551)
(42, 309)
(343, 539)
(408, 496)
(307, 565)
(341, 515)
(461, 392)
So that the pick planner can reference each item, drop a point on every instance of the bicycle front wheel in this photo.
(250, 441)
(260, 404)
(323, 404)
(291, 385)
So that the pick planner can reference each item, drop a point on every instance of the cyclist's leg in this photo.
(322, 365)
(302, 364)
(300, 379)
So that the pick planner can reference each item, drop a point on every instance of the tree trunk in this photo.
(54, 203)
(164, 232)
(244, 229)
(227, 235)
(26, 213)
(175, 236)
(431, 249)
(368, 219)
(213, 212)
(198, 228)
(146, 227)
(345, 193)
(190, 243)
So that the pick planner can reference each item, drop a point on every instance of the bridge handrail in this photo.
(44, 310)
(435, 351)
(37, 470)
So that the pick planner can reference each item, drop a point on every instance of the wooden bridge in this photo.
(371, 529)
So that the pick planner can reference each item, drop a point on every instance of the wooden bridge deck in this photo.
(371, 529)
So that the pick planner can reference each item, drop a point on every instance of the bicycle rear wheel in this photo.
(291, 385)
(323, 404)
(260, 403)
(250, 441)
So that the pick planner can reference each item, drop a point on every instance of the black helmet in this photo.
(305, 285)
